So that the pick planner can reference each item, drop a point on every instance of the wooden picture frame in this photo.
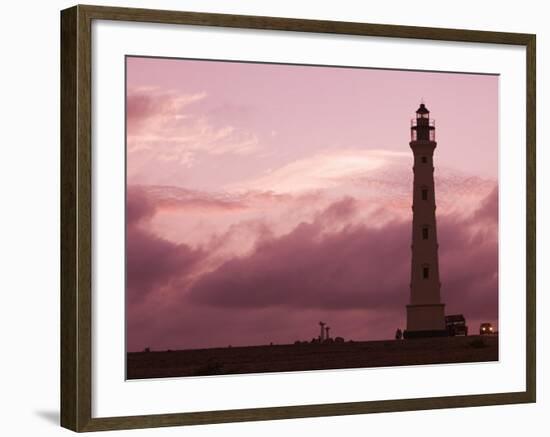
(76, 217)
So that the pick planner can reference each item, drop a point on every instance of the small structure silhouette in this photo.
(398, 334)
(322, 335)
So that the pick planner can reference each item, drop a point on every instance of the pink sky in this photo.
(264, 198)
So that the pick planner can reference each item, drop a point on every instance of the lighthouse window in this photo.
(425, 233)
(424, 194)
(424, 160)
(425, 272)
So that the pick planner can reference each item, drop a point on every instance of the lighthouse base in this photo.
(426, 320)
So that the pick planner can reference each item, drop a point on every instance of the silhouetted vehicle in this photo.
(486, 329)
(456, 325)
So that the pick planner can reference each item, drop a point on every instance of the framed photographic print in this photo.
(268, 218)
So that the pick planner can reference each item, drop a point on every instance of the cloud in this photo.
(324, 170)
(152, 262)
(306, 269)
(145, 106)
(138, 206)
(357, 266)
(333, 264)
(380, 179)
(488, 210)
(174, 198)
(339, 211)
(469, 260)
(169, 126)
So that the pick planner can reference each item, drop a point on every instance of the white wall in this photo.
(29, 239)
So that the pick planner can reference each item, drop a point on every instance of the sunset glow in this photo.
(264, 198)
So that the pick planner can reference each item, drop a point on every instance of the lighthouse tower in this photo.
(425, 312)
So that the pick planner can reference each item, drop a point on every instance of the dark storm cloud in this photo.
(356, 267)
(468, 259)
(138, 206)
(322, 269)
(151, 262)
(309, 269)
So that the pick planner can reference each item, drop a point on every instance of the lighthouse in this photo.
(425, 311)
